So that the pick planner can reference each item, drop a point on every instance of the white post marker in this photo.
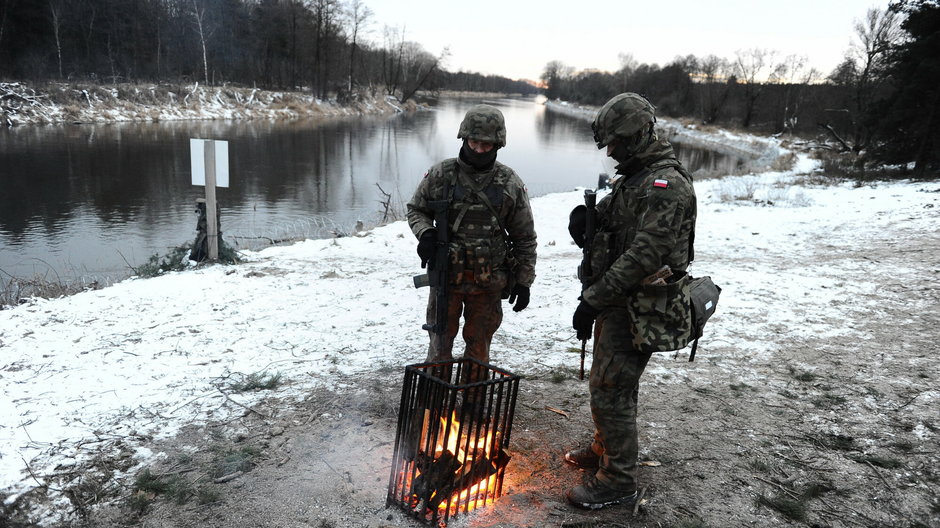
(209, 162)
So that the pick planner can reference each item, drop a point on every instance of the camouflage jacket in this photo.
(471, 221)
(647, 221)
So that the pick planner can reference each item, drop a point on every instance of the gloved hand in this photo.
(426, 249)
(519, 297)
(583, 320)
(577, 221)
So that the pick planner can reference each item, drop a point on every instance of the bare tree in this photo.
(199, 16)
(324, 16)
(713, 74)
(417, 68)
(875, 36)
(863, 71)
(392, 54)
(552, 77)
(753, 67)
(628, 65)
(357, 16)
(55, 11)
(3, 18)
(794, 77)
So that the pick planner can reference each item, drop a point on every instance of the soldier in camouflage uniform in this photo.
(488, 213)
(637, 289)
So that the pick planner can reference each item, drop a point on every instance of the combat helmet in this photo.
(484, 123)
(623, 116)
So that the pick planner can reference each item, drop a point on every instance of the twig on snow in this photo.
(883, 479)
(784, 489)
(227, 397)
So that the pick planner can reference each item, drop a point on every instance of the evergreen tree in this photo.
(908, 121)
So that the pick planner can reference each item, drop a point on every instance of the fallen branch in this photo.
(883, 479)
(227, 397)
(910, 401)
(639, 499)
(784, 489)
(835, 135)
(226, 478)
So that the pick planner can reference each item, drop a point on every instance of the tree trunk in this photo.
(56, 23)
(202, 39)
(926, 140)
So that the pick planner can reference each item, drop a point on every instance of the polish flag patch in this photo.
(661, 183)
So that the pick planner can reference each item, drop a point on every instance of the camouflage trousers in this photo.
(615, 384)
(482, 311)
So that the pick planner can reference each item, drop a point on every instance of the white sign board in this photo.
(198, 161)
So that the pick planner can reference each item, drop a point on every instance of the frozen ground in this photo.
(819, 369)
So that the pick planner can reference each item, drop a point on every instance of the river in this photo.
(90, 201)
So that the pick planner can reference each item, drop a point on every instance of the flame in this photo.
(458, 445)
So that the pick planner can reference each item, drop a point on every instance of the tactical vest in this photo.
(659, 314)
(477, 235)
(616, 232)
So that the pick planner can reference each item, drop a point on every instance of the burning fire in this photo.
(486, 487)
(468, 461)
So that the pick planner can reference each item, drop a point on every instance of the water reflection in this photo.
(90, 200)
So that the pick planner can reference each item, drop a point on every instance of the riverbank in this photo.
(801, 401)
(71, 103)
(760, 153)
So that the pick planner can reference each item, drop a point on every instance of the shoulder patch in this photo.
(661, 183)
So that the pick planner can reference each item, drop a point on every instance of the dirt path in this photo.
(832, 431)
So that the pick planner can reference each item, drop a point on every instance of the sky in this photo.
(516, 39)
(115, 366)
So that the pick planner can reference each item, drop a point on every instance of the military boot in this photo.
(594, 495)
(584, 458)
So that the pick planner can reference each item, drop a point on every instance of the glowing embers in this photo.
(453, 428)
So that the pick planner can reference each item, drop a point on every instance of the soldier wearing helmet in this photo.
(488, 213)
(636, 289)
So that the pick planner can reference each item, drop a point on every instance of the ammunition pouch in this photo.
(662, 314)
(475, 264)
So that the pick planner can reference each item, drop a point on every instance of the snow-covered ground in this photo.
(141, 359)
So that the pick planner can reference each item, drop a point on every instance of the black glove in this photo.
(577, 222)
(426, 247)
(519, 297)
(583, 319)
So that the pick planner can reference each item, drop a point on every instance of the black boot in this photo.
(594, 495)
(584, 458)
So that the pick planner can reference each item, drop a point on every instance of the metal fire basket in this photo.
(453, 429)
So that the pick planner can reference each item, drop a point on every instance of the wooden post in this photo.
(212, 222)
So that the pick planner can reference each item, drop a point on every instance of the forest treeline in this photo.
(331, 48)
(880, 103)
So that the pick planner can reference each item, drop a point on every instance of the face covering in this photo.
(477, 160)
(627, 148)
(622, 153)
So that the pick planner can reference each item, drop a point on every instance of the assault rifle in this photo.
(438, 269)
(584, 271)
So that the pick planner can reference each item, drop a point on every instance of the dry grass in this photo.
(47, 103)
(14, 290)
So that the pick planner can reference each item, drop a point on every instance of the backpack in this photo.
(704, 294)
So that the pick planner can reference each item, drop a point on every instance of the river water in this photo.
(89, 201)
